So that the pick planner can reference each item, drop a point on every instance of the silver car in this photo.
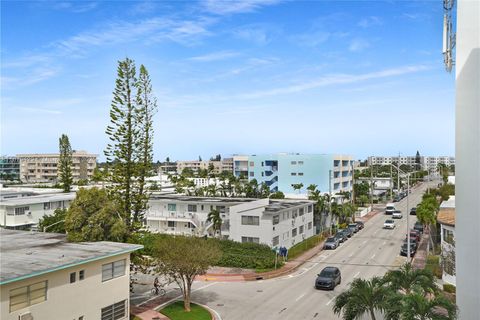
(331, 243)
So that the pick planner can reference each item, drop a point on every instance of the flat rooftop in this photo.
(278, 205)
(26, 254)
(38, 199)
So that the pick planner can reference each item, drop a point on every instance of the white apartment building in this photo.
(240, 166)
(446, 219)
(268, 221)
(43, 167)
(23, 212)
(44, 277)
(427, 163)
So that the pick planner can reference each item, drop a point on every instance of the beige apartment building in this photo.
(225, 164)
(44, 277)
(43, 167)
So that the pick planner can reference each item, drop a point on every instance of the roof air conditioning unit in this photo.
(29, 213)
(25, 316)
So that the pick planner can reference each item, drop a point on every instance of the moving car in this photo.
(413, 211)
(397, 214)
(329, 278)
(353, 227)
(360, 225)
(418, 226)
(403, 250)
(390, 208)
(331, 243)
(389, 224)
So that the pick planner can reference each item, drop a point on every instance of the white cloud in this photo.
(259, 33)
(370, 21)
(223, 7)
(75, 7)
(39, 110)
(358, 44)
(215, 56)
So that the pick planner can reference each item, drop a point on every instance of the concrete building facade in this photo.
(9, 168)
(429, 163)
(446, 219)
(225, 164)
(240, 166)
(281, 171)
(77, 281)
(43, 167)
(244, 220)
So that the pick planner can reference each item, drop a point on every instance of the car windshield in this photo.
(389, 221)
(331, 239)
(328, 273)
(352, 225)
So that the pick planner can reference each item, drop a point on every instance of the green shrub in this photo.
(433, 264)
(450, 288)
(305, 245)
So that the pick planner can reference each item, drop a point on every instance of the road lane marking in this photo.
(356, 274)
(301, 296)
(375, 232)
(331, 300)
(364, 242)
(373, 256)
(178, 297)
(351, 255)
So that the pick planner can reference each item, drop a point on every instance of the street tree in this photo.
(54, 222)
(181, 259)
(297, 186)
(363, 297)
(94, 216)
(146, 107)
(277, 195)
(65, 163)
(408, 279)
(419, 307)
(215, 218)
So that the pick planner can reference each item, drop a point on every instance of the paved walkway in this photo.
(146, 311)
(420, 259)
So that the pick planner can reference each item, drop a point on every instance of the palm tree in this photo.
(216, 220)
(416, 306)
(408, 279)
(362, 298)
(312, 188)
(348, 211)
(297, 186)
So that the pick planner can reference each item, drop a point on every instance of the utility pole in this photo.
(398, 174)
(330, 198)
(371, 187)
(391, 184)
(408, 215)
(353, 191)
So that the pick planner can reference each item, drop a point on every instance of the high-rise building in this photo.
(331, 173)
(44, 167)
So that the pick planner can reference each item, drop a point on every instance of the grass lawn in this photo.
(175, 311)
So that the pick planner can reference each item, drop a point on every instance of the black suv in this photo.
(403, 250)
(413, 211)
(418, 226)
(329, 278)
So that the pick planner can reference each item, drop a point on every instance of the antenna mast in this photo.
(449, 35)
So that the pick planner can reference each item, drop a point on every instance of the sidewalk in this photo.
(420, 258)
(289, 267)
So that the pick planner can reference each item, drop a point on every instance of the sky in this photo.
(258, 76)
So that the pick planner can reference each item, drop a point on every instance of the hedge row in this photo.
(305, 245)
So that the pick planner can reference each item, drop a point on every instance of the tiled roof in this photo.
(446, 216)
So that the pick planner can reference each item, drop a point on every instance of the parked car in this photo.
(418, 226)
(341, 237)
(389, 224)
(360, 224)
(413, 211)
(412, 241)
(403, 250)
(397, 214)
(397, 198)
(331, 243)
(415, 233)
(329, 278)
(347, 232)
(353, 227)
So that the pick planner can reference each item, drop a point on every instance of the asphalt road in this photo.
(370, 252)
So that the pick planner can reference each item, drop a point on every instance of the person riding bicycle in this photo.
(156, 284)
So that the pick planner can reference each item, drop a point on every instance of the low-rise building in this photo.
(23, 211)
(9, 168)
(240, 166)
(43, 167)
(429, 163)
(44, 277)
(446, 219)
(268, 221)
(219, 166)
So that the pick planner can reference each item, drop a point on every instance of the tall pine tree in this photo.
(124, 135)
(65, 163)
(146, 108)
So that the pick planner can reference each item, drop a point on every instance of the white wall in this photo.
(69, 301)
(468, 158)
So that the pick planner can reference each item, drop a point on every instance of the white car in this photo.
(389, 224)
(397, 214)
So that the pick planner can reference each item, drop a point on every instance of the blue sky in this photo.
(355, 77)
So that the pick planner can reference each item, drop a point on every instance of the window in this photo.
(300, 162)
(293, 173)
(293, 162)
(309, 225)
(201, 207)
(252, 164)
(21, 211)
(114, 311)
(262, 163)
(250, 220)
(46, 206)
(300, 173)
(285, 235)
(250, 239)
(275, 241)
(294, 213)
(172, 207)
(294, 232)
(276, 219)
(171, 224)
(310, 208)
(81, 275)
(113, 270)
(301, 211)
(192, 208)
(73, 277)
(448, 236)
(251, 173)
(300, 229)
(29, 295)
(262, 174)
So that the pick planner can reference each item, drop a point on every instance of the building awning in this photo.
(154, 218)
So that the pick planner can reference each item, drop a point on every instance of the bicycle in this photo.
(159, 292)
